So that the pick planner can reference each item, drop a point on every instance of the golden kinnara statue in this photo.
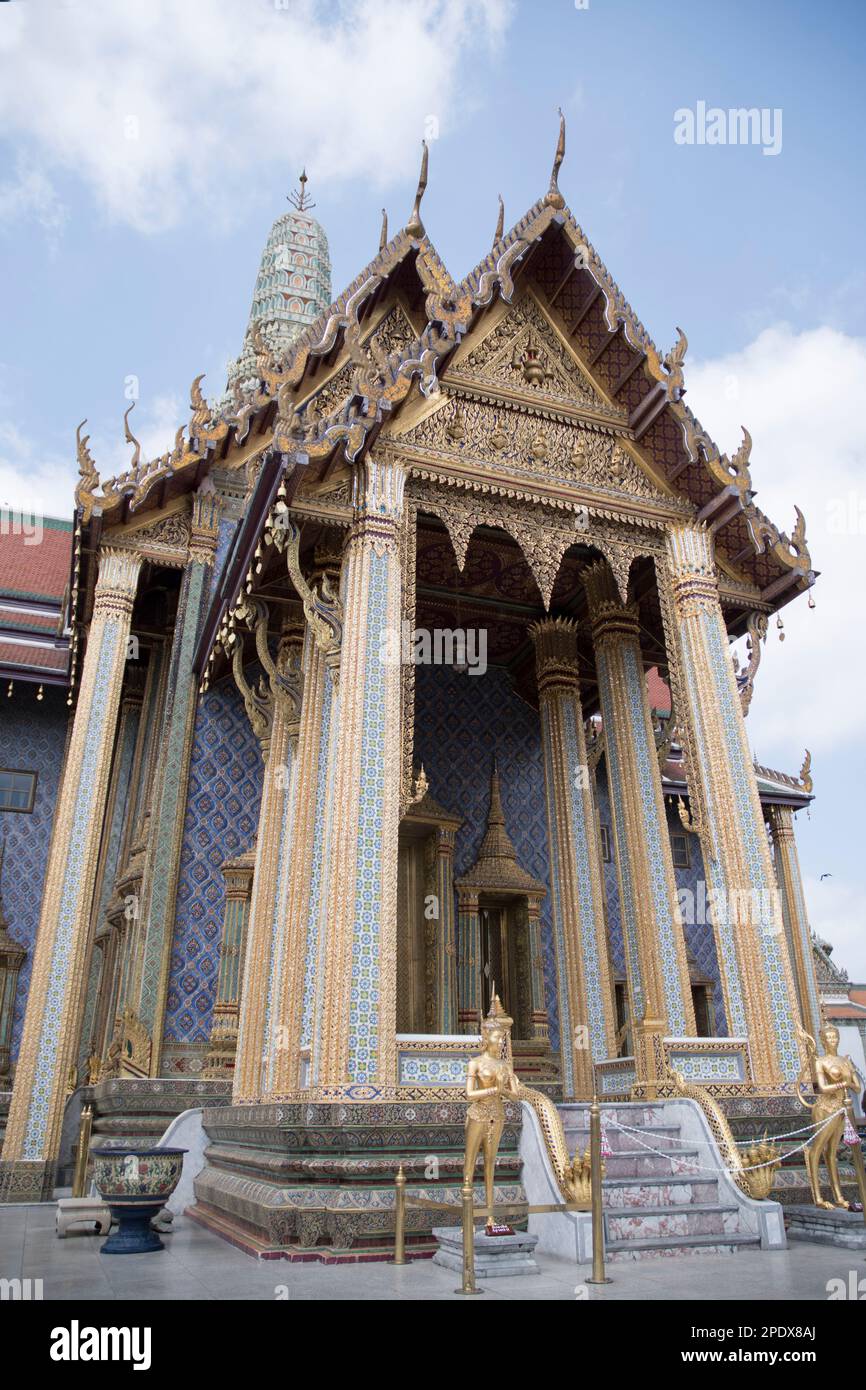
(489, 1080)
(831, 1077)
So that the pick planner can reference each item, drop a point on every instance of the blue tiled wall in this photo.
(222, 812)
(32, 739)
(460, 722)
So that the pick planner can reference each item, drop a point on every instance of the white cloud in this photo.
(42, 481)
(800, 395)
(31, 195)
(165, 109)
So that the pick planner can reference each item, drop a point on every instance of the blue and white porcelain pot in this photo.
(136, 1184)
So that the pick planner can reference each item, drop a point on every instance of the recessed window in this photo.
(17, 790)
(605, 843)
(680, 851)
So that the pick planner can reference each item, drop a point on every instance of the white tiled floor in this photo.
(198, 1265)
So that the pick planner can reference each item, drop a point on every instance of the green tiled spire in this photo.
(293, 286)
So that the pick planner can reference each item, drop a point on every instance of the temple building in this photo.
(404, 677)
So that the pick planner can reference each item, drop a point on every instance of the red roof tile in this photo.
(657, 691)
(35, 565)
(42, 658)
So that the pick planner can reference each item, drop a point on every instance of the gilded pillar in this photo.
(797, 932)
(148, 978)
(759, 988)
(222, 1044)
(539, 1023)
(49, 1042)
(259, 1032)
(586, 1013)
(656, 960)
(358, 1000)
(444, 944)
(100, 970)
(468, 961)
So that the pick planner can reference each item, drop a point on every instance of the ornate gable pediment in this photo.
(507, 441)
(522, 355)
(515, 403)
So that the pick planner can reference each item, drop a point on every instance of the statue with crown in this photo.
(490, 1079)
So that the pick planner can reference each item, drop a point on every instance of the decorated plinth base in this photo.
(834, 1227)
(313, 1179)
(495, 1256)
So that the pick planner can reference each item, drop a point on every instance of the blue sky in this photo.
(148, 147)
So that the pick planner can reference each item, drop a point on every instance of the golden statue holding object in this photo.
(832, 1078)
(490, 1078)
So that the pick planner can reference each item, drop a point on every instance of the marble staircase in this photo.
(660, 1203)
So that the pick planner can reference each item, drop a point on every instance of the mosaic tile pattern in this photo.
(32, 737)
(460, 722)
(365, 992)
(709, 1066)
(447, 1069)
(699, 935)
(222, 812)
(771, 942)
(99, 730)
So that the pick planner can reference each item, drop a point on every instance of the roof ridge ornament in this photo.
(500, 222)
(131, 439)
(383, 235)
(553, 198)
(415, 227)
(299, 200)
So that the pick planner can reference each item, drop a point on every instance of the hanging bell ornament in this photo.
(781, 626)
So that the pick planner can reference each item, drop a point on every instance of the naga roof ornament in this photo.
(415, 227)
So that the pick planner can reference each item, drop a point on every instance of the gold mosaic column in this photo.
(258, 1032)
(759, 988)
(468, 962)
(444, 944)
(305, 900)
(655, 945)
(222, 1043)
(586, 1014)
(797, 930)
(358, 1003)
(50, 1039)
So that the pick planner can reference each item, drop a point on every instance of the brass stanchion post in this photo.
(469, 1284)
(79, 1178)
(598, 1274)
(400, 1214)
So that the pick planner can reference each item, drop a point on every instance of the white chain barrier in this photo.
(708, 1144)
(705, 1168)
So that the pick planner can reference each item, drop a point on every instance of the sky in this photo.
(146, 148)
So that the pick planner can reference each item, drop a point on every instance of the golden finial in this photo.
(383, 235)
(553, 197)
(500, 222)
(415, 227)
(130, 437)
(299, 200)
(87, 470)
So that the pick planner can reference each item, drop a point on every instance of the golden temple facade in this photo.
(467, 519)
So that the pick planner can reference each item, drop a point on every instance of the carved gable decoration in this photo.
(508, 440)
(523, 355)
(390, 336)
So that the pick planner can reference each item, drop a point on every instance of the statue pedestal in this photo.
(836, 1227)
(495, 1256)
